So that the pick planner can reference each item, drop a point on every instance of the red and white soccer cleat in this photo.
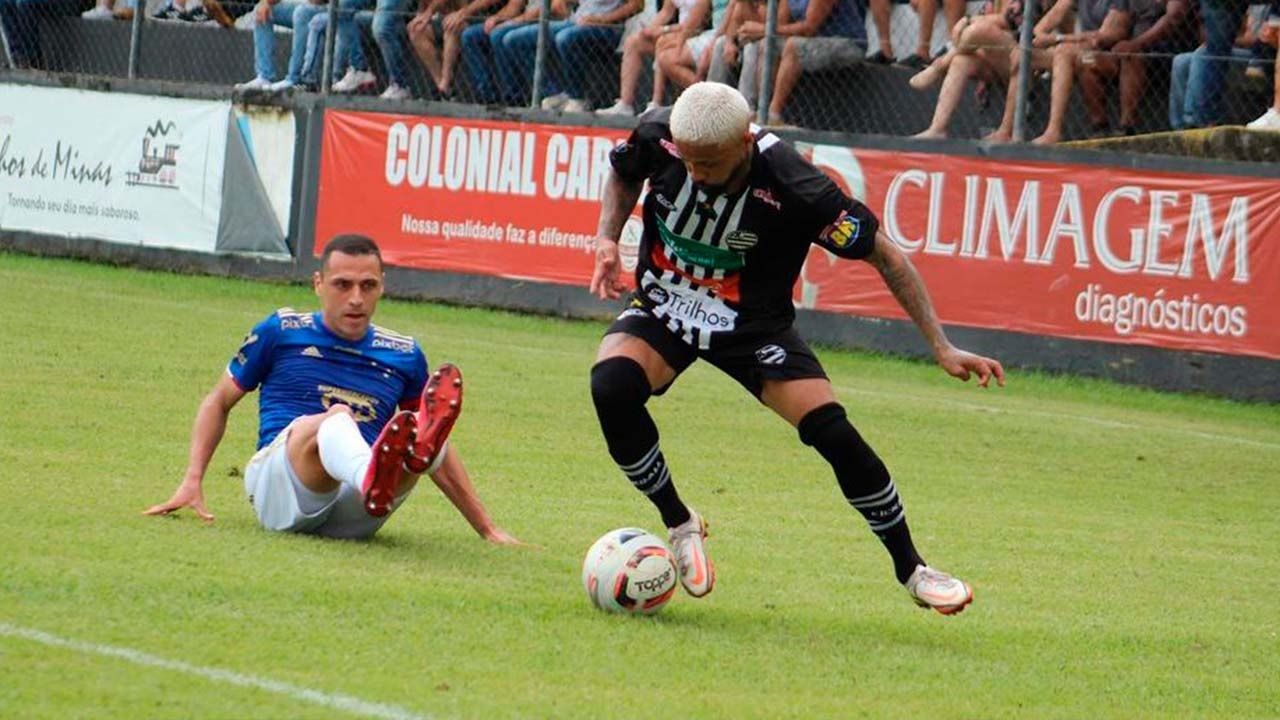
(688, 542)
(441, 404)
(382, 479)
(935, 589)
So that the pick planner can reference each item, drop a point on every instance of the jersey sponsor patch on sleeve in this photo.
(843, 232)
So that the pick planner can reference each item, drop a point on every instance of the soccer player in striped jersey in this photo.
(730, 214)
(348, 416)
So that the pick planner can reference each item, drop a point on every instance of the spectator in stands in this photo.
(1220, 22)
(20, 23)
(478, 52)
(723, 57)
(814, 34)
(1144, 33)
(1061, 53)
(1270, 35)
(686, 62)
(1186, 84)
(514, 63)
(586, 40)
(106, 10)
(286, 13)
(926, 11)
(980, 50)
(436, 35)
(668, 30)
(389, 20)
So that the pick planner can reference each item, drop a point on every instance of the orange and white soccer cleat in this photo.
(382, 479)
(935, 589)
(688, 542)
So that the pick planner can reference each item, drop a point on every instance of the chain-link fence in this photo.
(928, 67)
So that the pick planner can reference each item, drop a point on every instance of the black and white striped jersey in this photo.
(727, 263)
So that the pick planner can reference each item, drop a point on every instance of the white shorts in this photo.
(278, 498)
(699, 42)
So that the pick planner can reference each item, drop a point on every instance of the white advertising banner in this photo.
(125, 168)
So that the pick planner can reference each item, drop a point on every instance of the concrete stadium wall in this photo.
(1245, 378)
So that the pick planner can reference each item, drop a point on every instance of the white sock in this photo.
(343, 452)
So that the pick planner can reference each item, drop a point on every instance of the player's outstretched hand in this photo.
(187, 495)
(604, 279)
(498, 536)
(961, 364)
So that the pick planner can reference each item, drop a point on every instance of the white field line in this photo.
(346, 703)
(1101, 422)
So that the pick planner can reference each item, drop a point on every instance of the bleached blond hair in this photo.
(709, 113)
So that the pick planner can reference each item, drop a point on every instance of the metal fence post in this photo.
(330, 42)
(766, 74)
(135, 38)
(540, 57)
(1024, 78)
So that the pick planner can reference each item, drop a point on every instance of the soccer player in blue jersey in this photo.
(729, 217)
(348, 417)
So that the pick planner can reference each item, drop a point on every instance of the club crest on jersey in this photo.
(741, 240)
(843, 231)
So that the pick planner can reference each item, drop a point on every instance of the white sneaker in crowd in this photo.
(618, 108)
(354, 81)
(935, 589)
(688, 542)
(651, 106)
(258, 83)
(396, 92)
(574, 105)
(1269, 120)
(280, 86)
(98, 12)
(554, 102)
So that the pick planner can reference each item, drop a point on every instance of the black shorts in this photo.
(750, 357)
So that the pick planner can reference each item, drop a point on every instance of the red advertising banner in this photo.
(1176, 260)
(494, 198)
(1101, 253)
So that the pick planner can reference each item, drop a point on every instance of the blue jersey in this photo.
(304, 369)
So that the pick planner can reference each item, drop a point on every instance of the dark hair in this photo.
(350, 245)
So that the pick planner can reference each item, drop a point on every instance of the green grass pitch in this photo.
(1122, 543)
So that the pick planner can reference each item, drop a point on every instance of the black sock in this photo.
(864, 481)
(620, 388)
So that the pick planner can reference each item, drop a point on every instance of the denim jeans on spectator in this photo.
(314, 56)
(264, 37)
(1206, 82)
(389, 20)
(19, 19)
(1183, 80)
(302, 17)
(517, 53)
(489, 77)
(578, 49)
(347, 46)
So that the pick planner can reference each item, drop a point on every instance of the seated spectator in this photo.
(721, 60)
(20, 23)
(286, 13)
(1146, 32)
(926, 11)
(1187, 86)
(814, 35)
(389, 20)
(686, 62)
(980, 50)
(436, 36)
(667, 30)
(490, 80)
(1058, 51)
(1220, 24)
(584, 41)
(1270, 35)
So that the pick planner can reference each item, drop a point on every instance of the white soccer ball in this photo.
(629, 570)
